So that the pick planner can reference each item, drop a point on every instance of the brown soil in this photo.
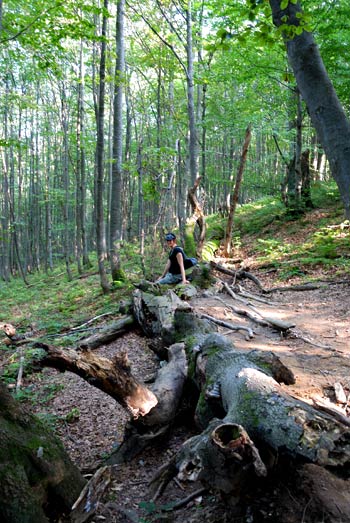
(91, 424)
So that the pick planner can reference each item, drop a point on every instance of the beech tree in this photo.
(326, 112)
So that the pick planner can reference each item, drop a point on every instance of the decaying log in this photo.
(108, 333)
(155, 314)
(254, 399)
(223, 458)
(38, 482)
(155, 425)
(112, 377)
(276, 422)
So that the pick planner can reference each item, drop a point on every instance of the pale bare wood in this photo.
(111, 376)
(87, 502)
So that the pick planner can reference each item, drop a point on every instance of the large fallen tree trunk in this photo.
(155, 425)
(252, 397)
(257, 414)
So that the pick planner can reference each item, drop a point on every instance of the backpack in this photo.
(190, 262)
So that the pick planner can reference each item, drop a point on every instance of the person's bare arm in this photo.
(180, 261)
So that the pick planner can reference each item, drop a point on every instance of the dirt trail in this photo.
(319, 315)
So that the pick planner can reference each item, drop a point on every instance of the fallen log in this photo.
(108, 333)
(38, 482)
(155, 425)
(259, 317)
(247, 388)
(253, 398)
(223, 458)
(111, 376)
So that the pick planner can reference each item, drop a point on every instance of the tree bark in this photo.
(117, 165)
(326, 112)
(37, 480)
(99, 181)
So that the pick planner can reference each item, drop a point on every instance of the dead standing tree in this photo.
(234, 197)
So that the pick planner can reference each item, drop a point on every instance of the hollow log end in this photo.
(233, 441)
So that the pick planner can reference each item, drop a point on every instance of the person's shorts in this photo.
(170, 278)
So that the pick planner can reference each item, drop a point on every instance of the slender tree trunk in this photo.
(100, 224)
(141, 224)
(117, 169)
(234, 199)
(325, 110)
(193, 145)
(65, 172)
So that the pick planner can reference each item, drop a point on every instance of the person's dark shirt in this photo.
(174, 264)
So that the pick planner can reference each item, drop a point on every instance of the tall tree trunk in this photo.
(116, 218)
(100, 223)
(65, 175)
(82, 250)
(325, 110)
(193, 145)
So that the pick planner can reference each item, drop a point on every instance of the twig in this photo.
(185, 501)
(310, 342)
(90, 321)
(304, 511)
(178, 484)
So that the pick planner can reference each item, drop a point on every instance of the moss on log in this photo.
(38, 482)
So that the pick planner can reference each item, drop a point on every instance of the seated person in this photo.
(174, 270)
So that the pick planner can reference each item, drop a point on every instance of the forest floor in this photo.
(91, 424)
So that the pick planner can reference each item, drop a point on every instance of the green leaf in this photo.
(284, 4)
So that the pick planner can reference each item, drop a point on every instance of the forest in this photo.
(223, 399)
